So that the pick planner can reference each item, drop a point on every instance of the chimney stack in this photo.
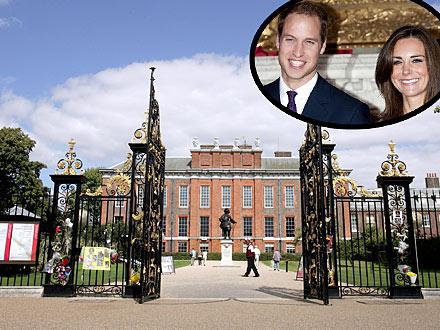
(432, 181)
(283, 154)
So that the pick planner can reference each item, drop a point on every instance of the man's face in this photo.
(299, 47)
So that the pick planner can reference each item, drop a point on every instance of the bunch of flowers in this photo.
(62, 270)
(58, 265)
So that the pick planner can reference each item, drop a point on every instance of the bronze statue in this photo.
(226, 222)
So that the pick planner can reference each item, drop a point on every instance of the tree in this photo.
(93, 179)
(91, 189)
(19, 176)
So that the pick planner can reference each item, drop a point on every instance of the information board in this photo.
(18, 242)
(167, 265)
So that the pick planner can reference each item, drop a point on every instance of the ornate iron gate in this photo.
(375, 241)
(148, 171)
(313, 216)
(123, 222)
(361, 243)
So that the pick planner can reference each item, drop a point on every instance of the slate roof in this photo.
(269, 164)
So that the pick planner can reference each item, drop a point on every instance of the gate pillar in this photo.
(64, 221)
(401, 248)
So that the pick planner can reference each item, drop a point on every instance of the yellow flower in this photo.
(411, 274)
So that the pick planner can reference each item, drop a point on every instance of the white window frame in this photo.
(247, 197)
(286, 223)
(371, 219)
(265, 226)
(179, 244)
(183, 189)
(165, 196)
(141, 196)
(426, 220)
(179, 229)
(204, 217)
(245, 219)
(268, 197)
(270, 246)
(119, 203)
(118, 219)
(204, 247)
(353, 223)
(226, 197)
(290, 247)
(204, 196)
(289, 202)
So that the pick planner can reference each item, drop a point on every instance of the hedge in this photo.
(235, 256)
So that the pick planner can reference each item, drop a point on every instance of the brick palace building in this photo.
(263, 194)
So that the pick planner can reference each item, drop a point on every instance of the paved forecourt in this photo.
(215, 297)
(216, 281)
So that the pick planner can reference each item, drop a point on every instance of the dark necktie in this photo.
(291, 105)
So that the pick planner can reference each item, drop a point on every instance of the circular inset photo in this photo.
(349, 63)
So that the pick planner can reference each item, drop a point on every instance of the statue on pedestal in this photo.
(226, 222)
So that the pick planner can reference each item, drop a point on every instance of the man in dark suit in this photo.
(302, 35)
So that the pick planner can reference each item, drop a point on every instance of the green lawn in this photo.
(293, 265)
(363, 273)
(367, 274)
(32, 279)
(181, 263)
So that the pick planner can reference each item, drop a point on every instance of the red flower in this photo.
(65, 261)
(58, 229)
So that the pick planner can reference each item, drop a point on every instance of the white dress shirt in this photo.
(303, 93)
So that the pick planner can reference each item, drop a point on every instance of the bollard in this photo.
(287, 266)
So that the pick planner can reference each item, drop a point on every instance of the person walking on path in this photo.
(205, 257)
(276, 260)
(250, 256)
(193, 255)
(257, 256)
(199, 258)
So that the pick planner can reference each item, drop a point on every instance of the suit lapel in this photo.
(274, 89)
(317, 104)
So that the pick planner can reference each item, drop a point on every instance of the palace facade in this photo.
(262, 193)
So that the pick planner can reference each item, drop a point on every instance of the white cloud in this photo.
(7, 22)
(205, 96)
(13, 108)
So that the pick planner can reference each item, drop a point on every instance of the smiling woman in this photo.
(408, 71)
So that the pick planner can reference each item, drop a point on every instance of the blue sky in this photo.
(48, 42)
(79, 69)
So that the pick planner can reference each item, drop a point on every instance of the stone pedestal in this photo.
(411, 292)
(58, 290)
(226, 252)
